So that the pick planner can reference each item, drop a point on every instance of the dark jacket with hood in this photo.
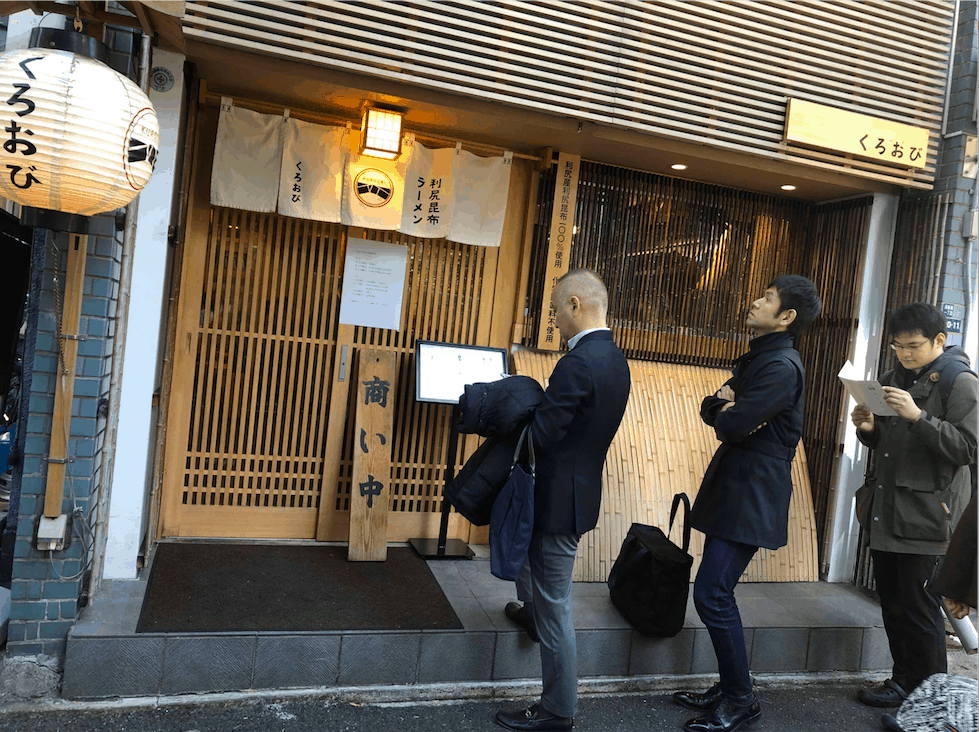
(745, 493)
(497, 410)
(920, 483)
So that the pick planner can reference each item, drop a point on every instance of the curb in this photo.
(431, 693)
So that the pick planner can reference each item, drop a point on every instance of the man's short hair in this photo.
(587, 285)
(917, 317)
(798, 293)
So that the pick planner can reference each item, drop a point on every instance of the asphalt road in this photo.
(813, 708)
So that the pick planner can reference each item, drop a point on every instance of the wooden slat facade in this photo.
(260, 428)
(683, 261)
(712, 72)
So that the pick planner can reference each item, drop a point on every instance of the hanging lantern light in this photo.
(77, 137)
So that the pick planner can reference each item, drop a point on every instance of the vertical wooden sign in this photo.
(559, 243)
(373, 430)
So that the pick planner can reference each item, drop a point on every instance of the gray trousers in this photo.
(545, 581)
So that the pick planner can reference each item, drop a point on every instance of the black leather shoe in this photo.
(532, 719)
(728, 716)
(518, 614)
(889, 722)
(889, 695)
(699, 701)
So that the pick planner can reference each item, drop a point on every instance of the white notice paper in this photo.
(373, 284)
(869, 394)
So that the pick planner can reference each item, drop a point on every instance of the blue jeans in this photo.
(722, 565)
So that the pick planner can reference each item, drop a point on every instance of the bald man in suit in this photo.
(573, 428)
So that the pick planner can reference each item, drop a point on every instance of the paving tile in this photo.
(790, 589)
(493, 606)
(603, 652)
(816, 613)
(779, 649)
(876, 653)
(447, 575)
(661, 655)
(597, 613)
(207, 663)
(764, 612)
(482, 583)
(517, 657)
(103, 667)
(835, 649)
(379, 658)
(296, 661)
(704, 659)
(692, 618)
(453, 656)
(589, 589)
(114, 610)
(471, 614)
(748, 589)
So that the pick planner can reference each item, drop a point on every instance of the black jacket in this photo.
(745, 494)
(573, 427)
(499, 409)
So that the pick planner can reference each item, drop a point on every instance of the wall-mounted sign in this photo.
(816, 125)
(559, 244)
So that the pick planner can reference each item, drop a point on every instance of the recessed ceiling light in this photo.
(678, 166)
(788, 188)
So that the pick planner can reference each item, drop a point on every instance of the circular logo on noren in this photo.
(374, 187)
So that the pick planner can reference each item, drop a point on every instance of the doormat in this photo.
(200, 588)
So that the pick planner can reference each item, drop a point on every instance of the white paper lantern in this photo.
(77, 136)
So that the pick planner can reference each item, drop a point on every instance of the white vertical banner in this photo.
(311, 181)
(373, 191)
(479, 198)
(247, 157)
(373, 284)
(428, 192)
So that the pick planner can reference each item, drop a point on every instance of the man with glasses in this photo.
(916, 489)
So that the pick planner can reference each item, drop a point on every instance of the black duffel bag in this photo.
(650, 581)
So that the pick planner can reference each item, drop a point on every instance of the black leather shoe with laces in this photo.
(699, 701)
(728, 716)
(518, 614)
(532, 719)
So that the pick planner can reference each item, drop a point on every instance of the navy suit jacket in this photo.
(573, 428)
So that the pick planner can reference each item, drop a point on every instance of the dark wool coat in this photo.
(745, 493)
(573, 427)
(499, 409)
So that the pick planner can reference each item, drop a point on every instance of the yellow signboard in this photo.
(808, 123)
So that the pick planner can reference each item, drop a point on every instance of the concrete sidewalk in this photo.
(790, 628)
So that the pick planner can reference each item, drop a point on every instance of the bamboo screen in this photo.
(443, 299)
(915, 271)
(663, 448)
(683, 262)
(265, 350)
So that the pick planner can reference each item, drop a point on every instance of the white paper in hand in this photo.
(869, 394)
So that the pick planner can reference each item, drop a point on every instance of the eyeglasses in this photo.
(909, 347)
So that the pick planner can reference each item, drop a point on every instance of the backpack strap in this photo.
(947, 376)
(677, 499)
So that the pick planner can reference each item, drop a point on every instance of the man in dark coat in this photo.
(573, 427)
(916, 491)
(743, 502)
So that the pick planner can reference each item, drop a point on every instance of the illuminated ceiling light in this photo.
(678, 166)
(787, 187)
(382, 133)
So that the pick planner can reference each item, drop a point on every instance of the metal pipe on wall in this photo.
(118, 352)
